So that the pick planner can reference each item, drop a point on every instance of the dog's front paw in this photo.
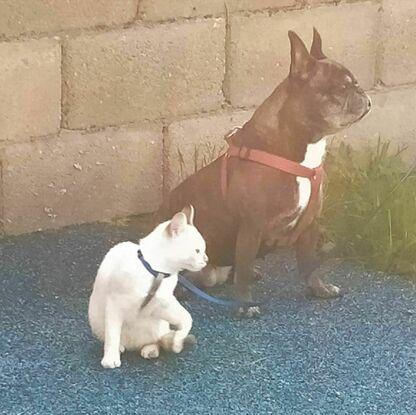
(248, 312)
(324, 291)
(150, 351)
(111, 361)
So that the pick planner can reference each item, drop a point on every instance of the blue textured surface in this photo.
(353, 355)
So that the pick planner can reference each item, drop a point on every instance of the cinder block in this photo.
(162, 10)
(260, 53)
(30, 85)
(391, 118)
(398, 64)
(144, 73)
(191, 144)
(79, 177)
(241, 5)
(23, 16)
(315, 2)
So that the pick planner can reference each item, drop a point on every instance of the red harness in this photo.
(288, 166)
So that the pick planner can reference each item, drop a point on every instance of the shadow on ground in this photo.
(353, 355)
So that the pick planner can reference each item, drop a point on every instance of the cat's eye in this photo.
(197, 251)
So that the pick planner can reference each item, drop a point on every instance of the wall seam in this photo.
(137, 16)
(61, 68)
(227, 58)
(380, 47)
(165, 137)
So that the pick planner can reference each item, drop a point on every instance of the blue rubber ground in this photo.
(353, 355)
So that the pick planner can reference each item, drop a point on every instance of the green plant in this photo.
(370, 207)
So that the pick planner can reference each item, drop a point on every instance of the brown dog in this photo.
(263, 204)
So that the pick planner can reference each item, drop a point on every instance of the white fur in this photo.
(122, 284)
(314, 157)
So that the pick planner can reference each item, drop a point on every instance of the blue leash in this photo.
(191, 287)
(215, 300)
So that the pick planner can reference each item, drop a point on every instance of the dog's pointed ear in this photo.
(316, 48)
(177, 224)
(301, 61)
(189, 212)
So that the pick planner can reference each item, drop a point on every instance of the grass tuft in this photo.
(370, 208)
(203, 154)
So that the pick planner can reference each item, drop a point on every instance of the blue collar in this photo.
(149, 267)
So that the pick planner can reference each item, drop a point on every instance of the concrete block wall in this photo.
(107, 104)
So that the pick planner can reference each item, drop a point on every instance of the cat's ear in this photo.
(189, 212)
(177, 225)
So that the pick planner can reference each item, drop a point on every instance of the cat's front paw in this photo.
(111, 361)
(170, 342)
(177, 345)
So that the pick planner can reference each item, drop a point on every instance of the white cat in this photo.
(128, 309)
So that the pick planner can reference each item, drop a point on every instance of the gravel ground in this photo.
(352, 355)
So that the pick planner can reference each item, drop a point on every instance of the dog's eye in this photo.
(197, 251)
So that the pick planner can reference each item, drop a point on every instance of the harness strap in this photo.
(159, 276)
(149, 267)
(271, 160)
(155, 286)
(288, 166)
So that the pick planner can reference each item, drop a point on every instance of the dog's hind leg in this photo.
(248, 243)
(310, 266)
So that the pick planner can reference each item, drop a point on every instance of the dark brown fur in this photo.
(314, 101)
